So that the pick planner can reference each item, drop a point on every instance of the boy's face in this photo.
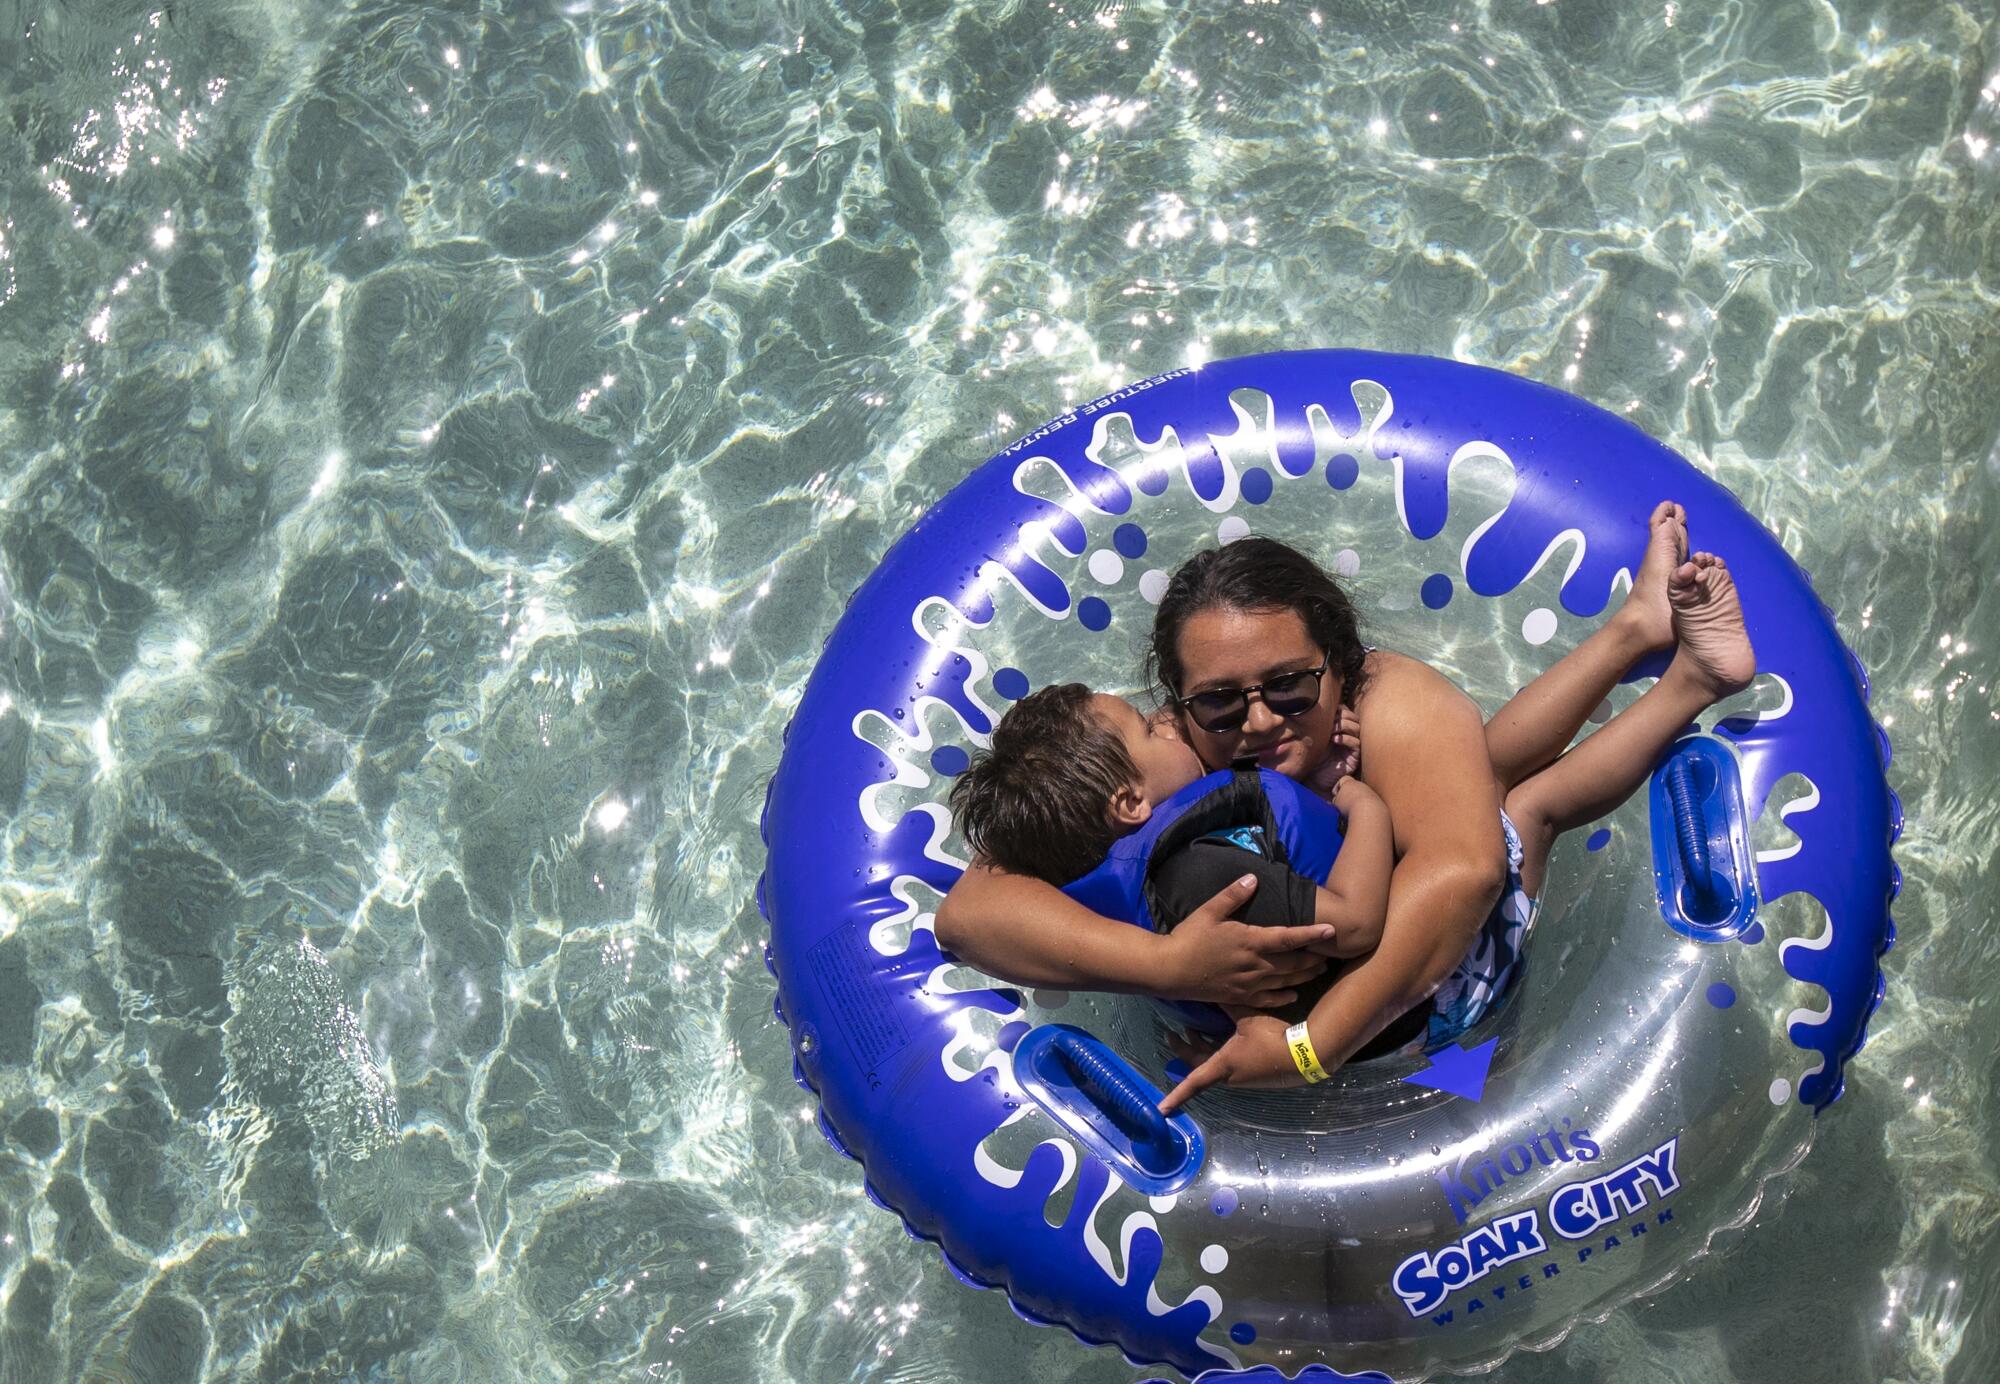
(1165, 763)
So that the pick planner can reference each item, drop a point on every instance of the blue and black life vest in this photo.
(1147, 876)
(1177, 861)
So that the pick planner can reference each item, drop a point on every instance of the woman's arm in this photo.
(1027, 931)
(1031, 933)
(1396, 975)
(1427, 759)
(1354, 901)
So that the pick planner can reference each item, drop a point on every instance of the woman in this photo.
(1233, 622)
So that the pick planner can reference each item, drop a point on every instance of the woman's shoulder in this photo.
(1399, 685)
(1388, 666)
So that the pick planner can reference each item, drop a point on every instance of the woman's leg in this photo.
(1714, 661)
(1538, 723)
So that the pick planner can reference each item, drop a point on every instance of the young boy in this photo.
(1111, 806)
(1074, 783)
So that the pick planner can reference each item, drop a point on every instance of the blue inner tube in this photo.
(1703, 966)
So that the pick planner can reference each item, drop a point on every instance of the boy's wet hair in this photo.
(1037, 803)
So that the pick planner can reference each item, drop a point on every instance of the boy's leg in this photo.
(1541, 719)
(1714, 661)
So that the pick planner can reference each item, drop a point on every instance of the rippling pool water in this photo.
(435, 440)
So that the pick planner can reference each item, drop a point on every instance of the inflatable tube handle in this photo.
(1713, 896)
(1109, 1107)
(1702, 860)
(1130, 1108)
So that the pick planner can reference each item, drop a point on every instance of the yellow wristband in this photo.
(1303, 1056)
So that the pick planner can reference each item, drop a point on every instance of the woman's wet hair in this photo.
(1257, 574)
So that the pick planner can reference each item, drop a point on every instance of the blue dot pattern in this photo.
(1093, 612)
(1129, 540)
(949, 760)
(1011, 683)
(1243, 1333)
(1437, 591)
(1224, 1202)
(1721, 995)
(1010, 1035)
(1342, 472)
(1256, 485)
(1599, 839)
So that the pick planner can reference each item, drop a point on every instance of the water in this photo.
(434, 441)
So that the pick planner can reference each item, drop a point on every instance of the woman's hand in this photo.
(1343, 758)
(1213, 958)
(1255, 1055)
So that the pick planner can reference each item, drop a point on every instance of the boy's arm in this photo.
(1029, 932)
(1355, 898)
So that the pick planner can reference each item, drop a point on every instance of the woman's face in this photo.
(1222, 647)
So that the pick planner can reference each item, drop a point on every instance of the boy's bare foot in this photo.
(1646, 610)
(1708, 621)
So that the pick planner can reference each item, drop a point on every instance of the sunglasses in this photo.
(1223, 709)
